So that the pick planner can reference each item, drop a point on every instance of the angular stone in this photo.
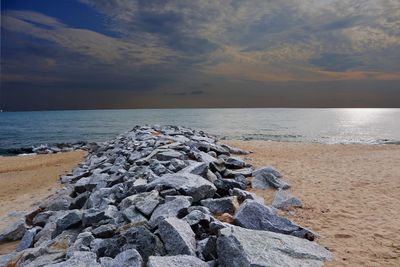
(27, 239)
(196, 216)
(82, 242)
(189, 184)
(264, 180)
(108, 247)
(268, 169)
(253, 215)
(173, 261)
(224, 185)
(104, 231)
(127, 258)
(144, 241)
(169, 209)
(246, 172)
(242, 247)
(94, 216)
(206, 249)
(177, 236)
(145, 202)
(13, 232)
(235, 150)
(283, 200)
(221, 205)
(218, 166)
(79, 259)
(41, 218)
(132, 215)
(199, 168)
(70, 219)
(235, 163)
(169, 154)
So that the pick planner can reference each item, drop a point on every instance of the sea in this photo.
(330, 126)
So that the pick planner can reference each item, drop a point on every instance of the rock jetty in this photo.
(163, 196)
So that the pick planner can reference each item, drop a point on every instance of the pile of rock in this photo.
(163, 196)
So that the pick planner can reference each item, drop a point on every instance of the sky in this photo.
(98, 54)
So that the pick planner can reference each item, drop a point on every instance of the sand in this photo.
(351, 195)
(27, 180)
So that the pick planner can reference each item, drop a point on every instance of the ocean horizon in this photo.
(327, 125)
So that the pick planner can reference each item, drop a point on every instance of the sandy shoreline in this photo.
(27, 180)
(350, 192)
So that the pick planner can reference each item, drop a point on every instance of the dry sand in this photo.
(351, 195)
(27, 180)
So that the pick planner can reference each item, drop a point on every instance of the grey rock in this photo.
(169, 209)
(224, 185)
(144, 241)
(283, 200)
(253, 215)
(79, 259)
(41, 218)
(206, 249)
(264, 180)
(268, 169)
(244, 248)
(199, 168)
(104, 231)
(145, 202)
(196, 216)
(205, 157)
(221, 205)
(80, 200)
(218, 166)
(133, 216)
(108, 247)
(127, 258)
(82, 242)
(94, 216)
(173, 261)
(170, 154)
(211, 176)
(190, 184)
(61, 202)
(13, 232)
(246, 172)
(27, 239)
(70, 219)
(177, 236)
(177, 165)
(235, 163)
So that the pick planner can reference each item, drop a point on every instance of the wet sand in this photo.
(351, 195)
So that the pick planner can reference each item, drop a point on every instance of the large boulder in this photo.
(173, 261)
(241, 247)
(189, 184)
(253, 215)
(178, 237)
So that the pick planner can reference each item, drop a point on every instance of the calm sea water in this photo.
(367, 126)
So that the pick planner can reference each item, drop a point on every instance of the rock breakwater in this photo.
(163, 196)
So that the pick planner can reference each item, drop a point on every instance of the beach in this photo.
(350, 195)
(27, 180)
(349, 192)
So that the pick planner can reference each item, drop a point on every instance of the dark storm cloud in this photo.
(198, 50)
